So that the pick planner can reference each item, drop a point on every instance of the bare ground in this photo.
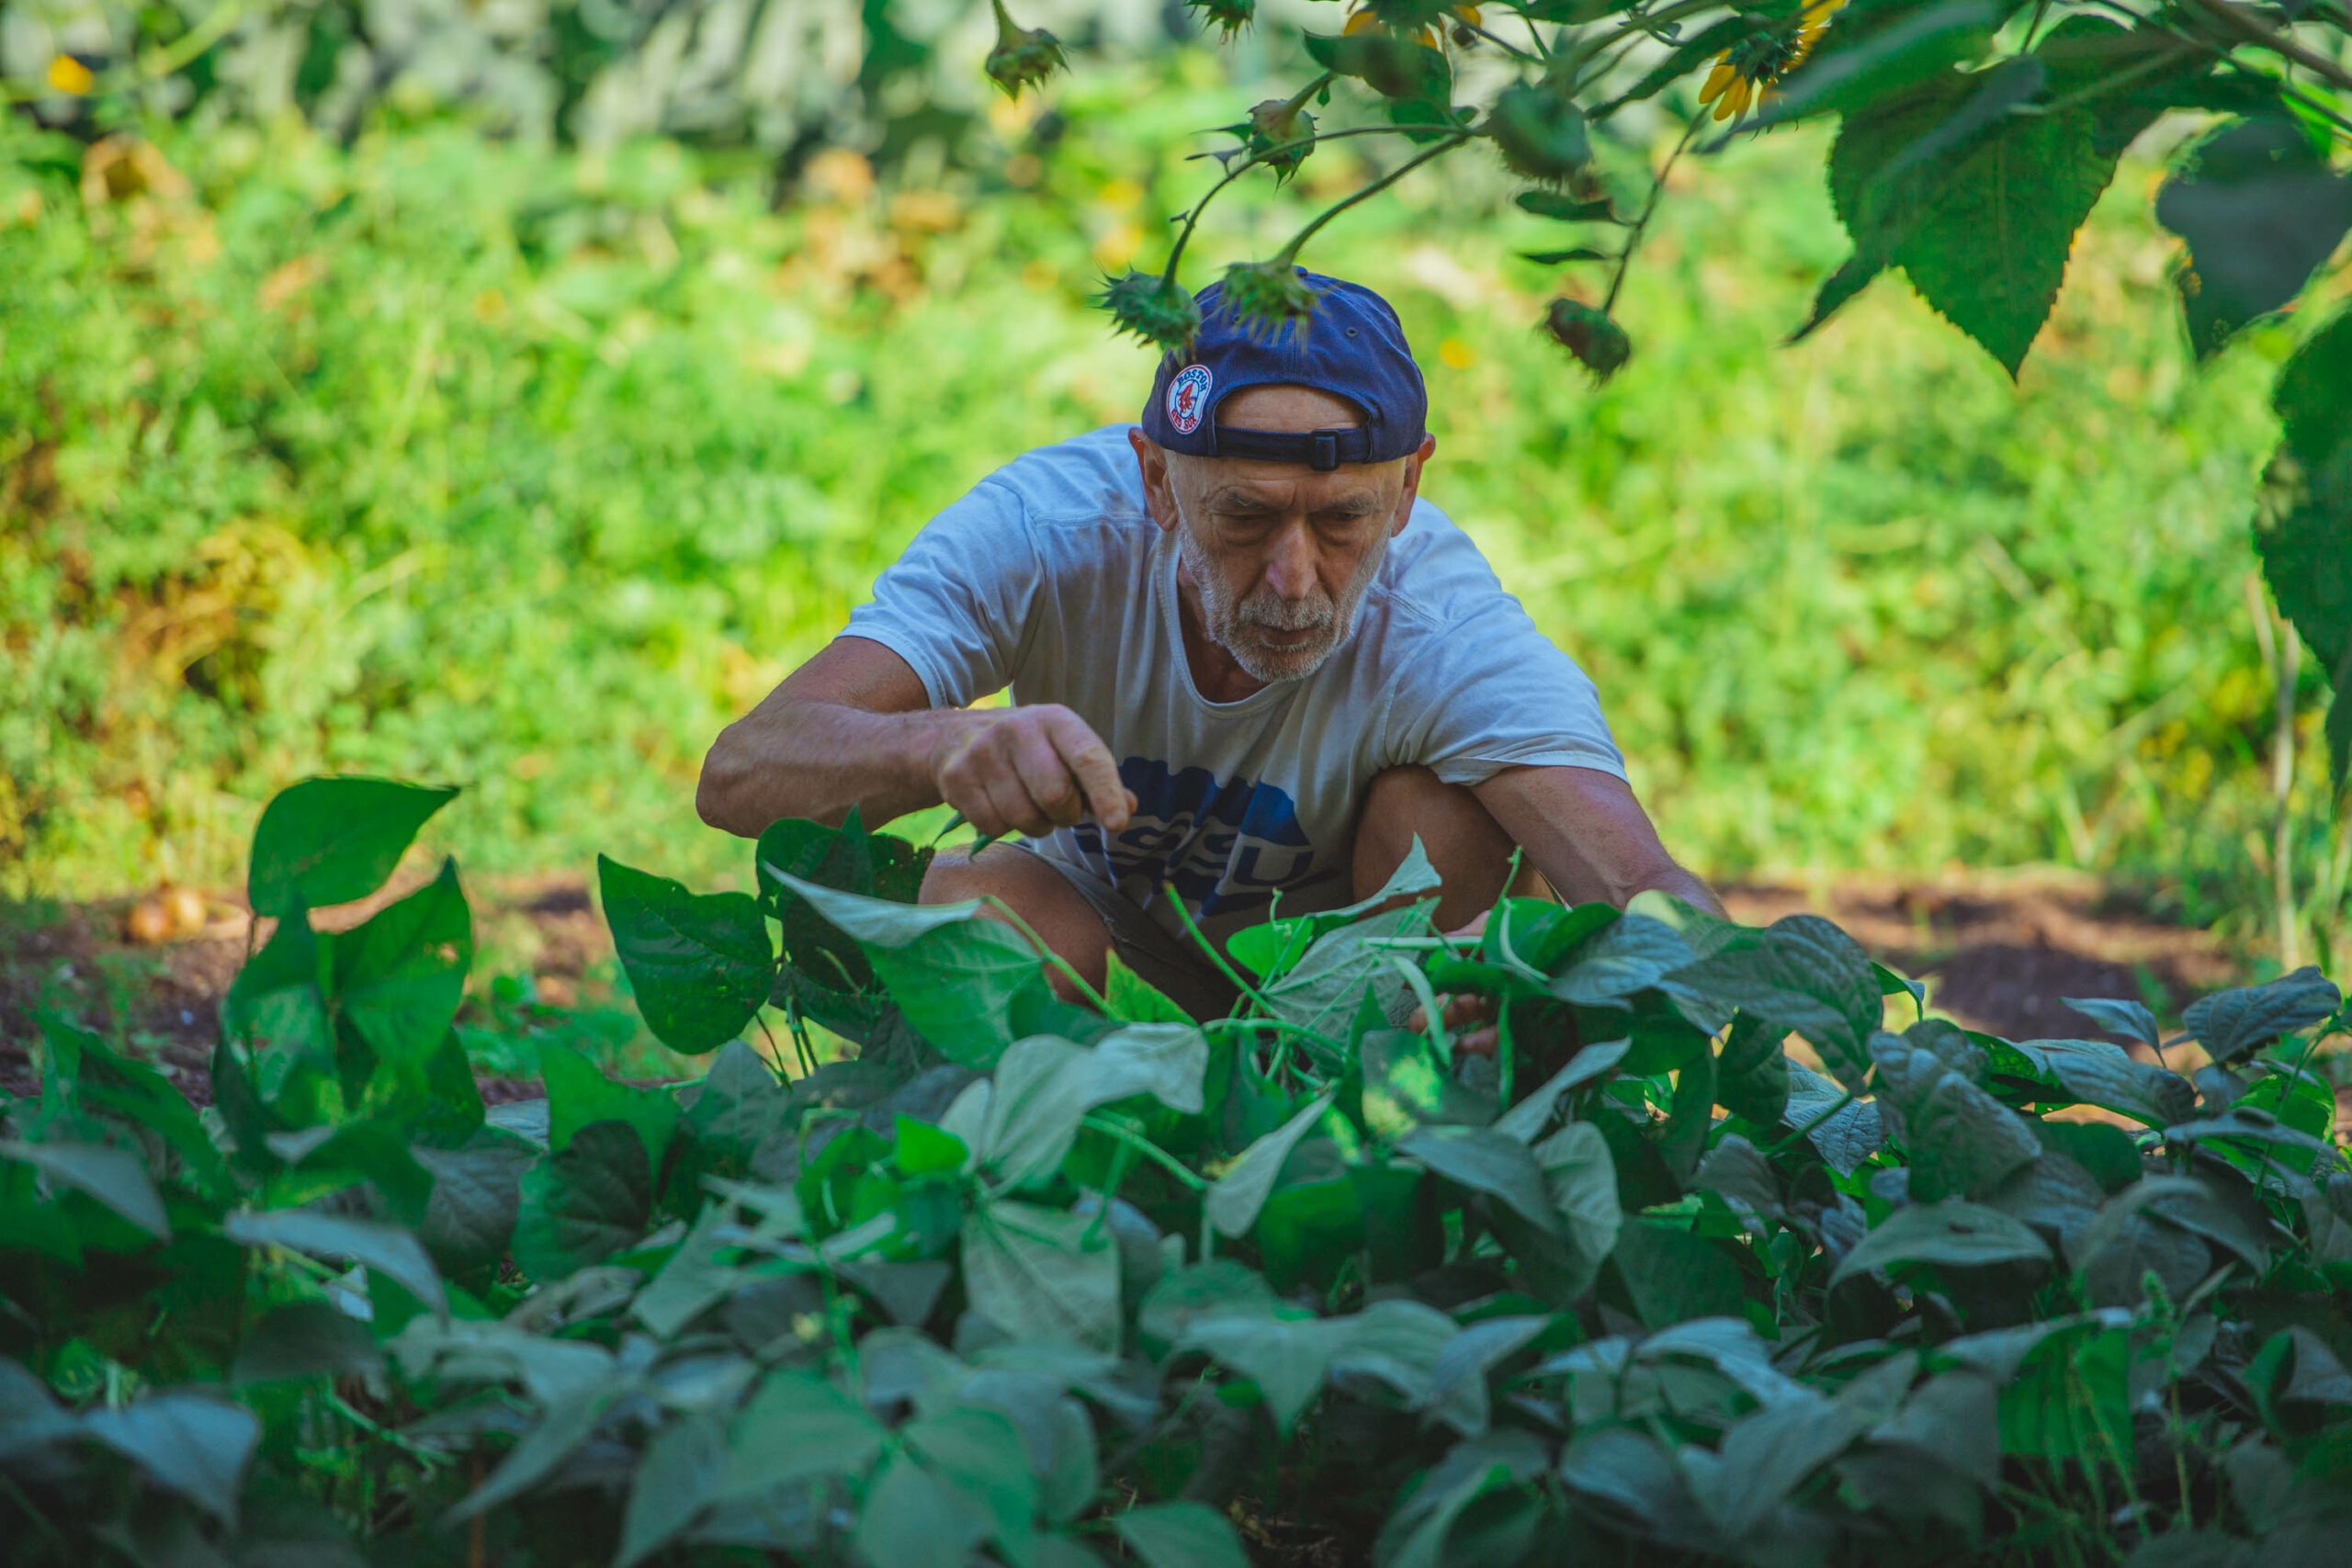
(1996, 951)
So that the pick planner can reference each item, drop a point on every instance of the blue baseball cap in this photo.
(1353, 348)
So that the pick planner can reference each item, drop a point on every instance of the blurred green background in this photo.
(518, 430)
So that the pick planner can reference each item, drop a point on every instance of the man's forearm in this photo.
(817, 759)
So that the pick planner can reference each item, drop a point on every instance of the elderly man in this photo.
(1249, 664)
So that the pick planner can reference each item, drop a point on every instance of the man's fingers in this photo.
(1047, 779)
(1478, 1042)
(1090, 761)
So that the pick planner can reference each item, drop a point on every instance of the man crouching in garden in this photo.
(1248, 661)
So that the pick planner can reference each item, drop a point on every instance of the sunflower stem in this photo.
(1641, 225)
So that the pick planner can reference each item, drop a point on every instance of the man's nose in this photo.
(1290, 563)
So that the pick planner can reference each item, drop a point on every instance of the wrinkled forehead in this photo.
(1247, 485)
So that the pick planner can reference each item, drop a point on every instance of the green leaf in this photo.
(134, 1093)
(2233, 1024)
(1580, 1178)
(1674, 1276)
(1846, 1136)
(304, 1340)
(2070, 1400)
(1567, 209)
(1485, 1161)
(1327, 986)
(569, 1420)
(2306, 513)
(331, 840)
(1136, 999)
(682, 1466)
(796, 1428)
(580, 1096)
(186, 1443)
(1983, 224)
(1960, 1140)
(1528, 1118)
(1752, 1072)
(2260, 211)
(388, 1250)
(113, 1177)
(2119, 1017)
(1804, 975)
(840, 858)
(1235, 1197)
(978, 1452)
(1040, 1274)
(951, 969)
(910, 1518)
(1952, 1234)
(1392, 65)
(399, 977)
(1631, 954)
(1043, 1087)
(1179, 1535)
(2098, 1074)
(700, 965)
(1574, 253)
(584, 1203)
(1769, 1454)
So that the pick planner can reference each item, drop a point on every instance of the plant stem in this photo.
(1641, 225)
(1130, 1138)
(1047, 953)
(2278, 43)
(1289, 253)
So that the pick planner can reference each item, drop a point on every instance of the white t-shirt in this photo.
(1051, 578)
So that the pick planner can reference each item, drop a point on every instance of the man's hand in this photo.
(1473, 1012)
(1028, 770)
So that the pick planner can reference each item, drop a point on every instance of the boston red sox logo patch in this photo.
(1188, 398)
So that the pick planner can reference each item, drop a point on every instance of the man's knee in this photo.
(1469, 848)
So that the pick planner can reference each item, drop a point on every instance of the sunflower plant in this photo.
(1973, 138)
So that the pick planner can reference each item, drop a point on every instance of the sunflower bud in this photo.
(1599, 345)
(1540, 132)
(1023, 56)
(1266, 297)
(1157, 310)
(1231, 15)
(1410, 16)
(1275, 123)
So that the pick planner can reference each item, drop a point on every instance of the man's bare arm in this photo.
(853, 727)
(1585, 831)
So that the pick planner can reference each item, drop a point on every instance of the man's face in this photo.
(1280, 554)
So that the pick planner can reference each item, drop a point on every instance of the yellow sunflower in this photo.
(1748, 70)
(1364, 21)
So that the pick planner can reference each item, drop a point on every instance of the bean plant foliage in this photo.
(1973, 138)
(1023, 1282)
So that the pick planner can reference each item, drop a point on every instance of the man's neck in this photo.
(1216, 674)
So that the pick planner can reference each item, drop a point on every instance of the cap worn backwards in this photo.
(1353, 347)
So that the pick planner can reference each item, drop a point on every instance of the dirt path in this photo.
(1996, 952)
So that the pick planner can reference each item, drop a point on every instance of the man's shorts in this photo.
(1173, 964)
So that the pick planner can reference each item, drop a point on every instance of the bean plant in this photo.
(1733, 1250)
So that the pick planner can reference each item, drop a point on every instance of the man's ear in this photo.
(1158, 494)
(1412, 485)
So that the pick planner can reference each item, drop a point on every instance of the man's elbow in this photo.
(718, 792)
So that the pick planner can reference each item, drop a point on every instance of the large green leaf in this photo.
(1960, 1140)
(700, 964)
(2231, 1025)
(1179, 1535)
(1881, 62)
(797, 1428)
(1629, 955)
(387, 1249)
(584, 1203)
(1673, 1276)
(951, 969)
(114, 1176)
(1235, 1197)
(2260, 211)
(579, 1095)
(1752, 1071)
(331, 841)
(1985, 223)
(912, 1518)
(1044, 1086)
(2098, 1074)
(1327, 986)
(399, 977)
(1951, 1233)
(682, 1466)
(1804, 975)
(2306, 515)
(1039, 1273)
(305, 1339)
(190, 1444)
(1486, 1161)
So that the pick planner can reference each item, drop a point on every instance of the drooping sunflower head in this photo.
(1229, 15)
(1157, 310)
(1746, 71)
(1540, 132)
(1598, 343)
(1266, 297)
(1023, 56)
(1274, 125)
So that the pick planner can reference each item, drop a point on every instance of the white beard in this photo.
(1231, 622)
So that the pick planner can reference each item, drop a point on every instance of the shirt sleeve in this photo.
(1484, 690)
(956, 604)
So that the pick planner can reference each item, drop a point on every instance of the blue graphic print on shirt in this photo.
(1227, 848)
